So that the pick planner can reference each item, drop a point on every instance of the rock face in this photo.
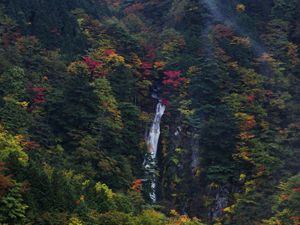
(195, 154)
(221, 201)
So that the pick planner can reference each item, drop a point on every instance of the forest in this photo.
(77, 80)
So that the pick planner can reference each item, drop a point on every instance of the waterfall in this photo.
(153, 138)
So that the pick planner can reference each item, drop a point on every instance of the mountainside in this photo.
(79, 84)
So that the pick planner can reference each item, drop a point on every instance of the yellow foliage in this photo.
(104, 187)
(242, 177)
(145, 117)
(48, 169)
(77, 67)
(213, 184)
(85, 182)
(182, 220)
(184, 104)
(82, 198)
(171, 50)
(158, 65)
(192, 9)
(229, 209)
(242, 42)
(243, 155)
(156, 216)
(267, 58)
(75, 221)
(240, 8)
(135, 60)
(111, 59)
(292, 53)
(173, 212)
(192, 71)
(23, 104)
(9, 144)
(233, 65)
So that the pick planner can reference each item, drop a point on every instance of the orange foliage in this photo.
(242, 42)
(245, 136)
(136, 185)
(247, 123)
(5, 182)
(221, 31)
(292, 53)
(220, 53)
(269, 93)
(28, 42)
(117, 3)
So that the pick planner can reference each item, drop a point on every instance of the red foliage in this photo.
(135, 8)
(117, 3)
(9, 37)
(296, 189)
(148, 59)
(24, 189)
(261, 168)
(55, 30)
(31, 108)
(173, 78)
(5, 182)
(250, 97)
(164, 102)
(29, 86)
(136, 185)
(28, 145)
(93, 66)
(295, 218)
(248, 124)
(40, 96)
(269, 93)
(90, 63)
(109, 52)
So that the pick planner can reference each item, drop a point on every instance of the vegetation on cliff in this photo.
(76, 79)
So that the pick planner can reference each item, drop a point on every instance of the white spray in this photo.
(153, 138)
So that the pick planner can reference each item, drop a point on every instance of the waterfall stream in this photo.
(153, 138)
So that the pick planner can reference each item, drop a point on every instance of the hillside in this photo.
(80, 82)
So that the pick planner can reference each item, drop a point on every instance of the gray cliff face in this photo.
(222, 199)
(195, 154)
(222, 195)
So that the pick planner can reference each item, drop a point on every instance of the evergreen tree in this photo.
(11, 10)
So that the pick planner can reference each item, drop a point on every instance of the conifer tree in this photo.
(11, 10)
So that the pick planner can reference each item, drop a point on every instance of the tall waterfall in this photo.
(153, 138)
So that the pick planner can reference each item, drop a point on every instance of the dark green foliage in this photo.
(76, 95)
(10, 10)
(125, 42)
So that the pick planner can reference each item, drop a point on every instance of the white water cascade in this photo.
(153, 138)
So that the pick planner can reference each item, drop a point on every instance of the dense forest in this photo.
(77, 80)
